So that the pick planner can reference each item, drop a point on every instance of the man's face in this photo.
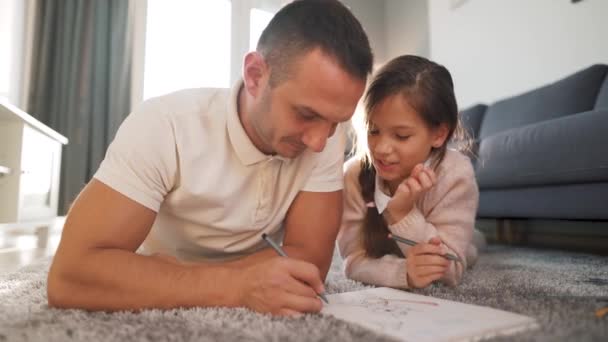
(303, 111)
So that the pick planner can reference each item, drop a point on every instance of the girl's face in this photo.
(399, 139)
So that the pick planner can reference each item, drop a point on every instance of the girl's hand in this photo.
(420, 181)
(425, 263)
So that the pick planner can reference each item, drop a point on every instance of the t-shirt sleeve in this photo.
(141, 161)
(327, 175)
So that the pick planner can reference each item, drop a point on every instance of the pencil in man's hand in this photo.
(280, 251)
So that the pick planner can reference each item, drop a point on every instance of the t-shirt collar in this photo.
(380, 195)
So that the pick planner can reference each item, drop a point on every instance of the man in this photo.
(175, 213)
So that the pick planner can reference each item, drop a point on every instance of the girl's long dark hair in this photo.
(429, 89)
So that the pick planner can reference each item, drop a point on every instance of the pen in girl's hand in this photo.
(414, 243)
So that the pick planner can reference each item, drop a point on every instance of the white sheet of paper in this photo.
(411, 317)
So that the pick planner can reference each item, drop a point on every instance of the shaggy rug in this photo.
(562, 290)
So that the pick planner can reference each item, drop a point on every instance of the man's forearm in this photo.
(300, 253)
(113, 279)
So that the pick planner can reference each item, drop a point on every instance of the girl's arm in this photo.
(450, 208)
(390, 270)
(386, 271)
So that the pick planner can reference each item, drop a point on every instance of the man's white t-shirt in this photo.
(186, 156)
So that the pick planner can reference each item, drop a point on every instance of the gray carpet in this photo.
(562, 290)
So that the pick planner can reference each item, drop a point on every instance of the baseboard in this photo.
(581, 236)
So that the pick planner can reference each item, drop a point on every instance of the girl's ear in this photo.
(255, 73)
(439, 135)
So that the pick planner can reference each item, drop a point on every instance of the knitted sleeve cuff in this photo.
(413, 226)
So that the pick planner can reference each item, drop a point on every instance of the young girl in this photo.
(409, 184)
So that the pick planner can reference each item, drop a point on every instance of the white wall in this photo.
(407, 28)
(497, 48)
(394, 27)
(371, 15)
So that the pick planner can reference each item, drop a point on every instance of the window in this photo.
(195, 43)
(258, 19)
(7, 45)
(16, 32)
(187, 45)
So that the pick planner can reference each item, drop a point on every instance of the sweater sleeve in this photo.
(388, 270)
(448, 211)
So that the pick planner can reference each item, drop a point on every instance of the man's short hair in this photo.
(305, 25)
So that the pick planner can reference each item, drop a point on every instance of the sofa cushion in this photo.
(569, 150)
(574, 94)
(602, 96)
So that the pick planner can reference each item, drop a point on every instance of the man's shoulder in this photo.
(186, 114)
(200, 101)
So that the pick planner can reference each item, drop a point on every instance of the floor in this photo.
(23, 244)
(562, 290)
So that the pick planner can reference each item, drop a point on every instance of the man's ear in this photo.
(255, 73)
(439, 135)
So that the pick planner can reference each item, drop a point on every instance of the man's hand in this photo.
(425, 263)
(420, 181)
(281, 286)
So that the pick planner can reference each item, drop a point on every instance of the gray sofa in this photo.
(544, 154)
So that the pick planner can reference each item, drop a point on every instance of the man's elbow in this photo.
(58, 290)
(54, 291)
